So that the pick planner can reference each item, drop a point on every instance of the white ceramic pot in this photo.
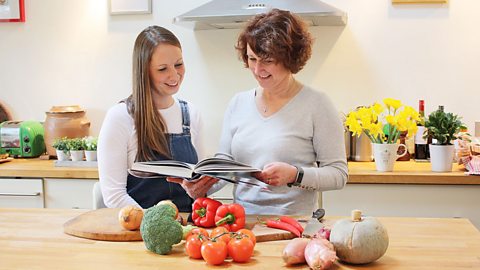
(76, 155)
(90, 155)
(441, 157)
(385, 155)
(62, 156)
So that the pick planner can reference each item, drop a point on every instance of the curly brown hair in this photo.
(278, 35)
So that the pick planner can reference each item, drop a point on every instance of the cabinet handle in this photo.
(21, 194)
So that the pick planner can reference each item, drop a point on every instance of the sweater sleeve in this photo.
(329, 146)
(113, 152)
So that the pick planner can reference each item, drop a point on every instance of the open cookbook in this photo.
(221, 168)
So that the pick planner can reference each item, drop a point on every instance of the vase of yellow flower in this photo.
(385, 155)
(383, 124)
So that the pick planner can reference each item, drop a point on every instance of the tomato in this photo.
(220, 230)
(240, 249)
(249, 234)
(214, 253)
(193, 246)
(197, 231)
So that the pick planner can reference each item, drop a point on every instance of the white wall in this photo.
(74, 52)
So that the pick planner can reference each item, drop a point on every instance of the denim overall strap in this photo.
(185, 117)
(147, 191)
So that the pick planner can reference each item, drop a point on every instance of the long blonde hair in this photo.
(149, 124)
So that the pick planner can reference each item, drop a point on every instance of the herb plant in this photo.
(442, 127)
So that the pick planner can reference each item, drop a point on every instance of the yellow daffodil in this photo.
(394, 103)
(383, 126)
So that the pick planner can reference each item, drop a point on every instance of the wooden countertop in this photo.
(36, 167)
(405, 172)
(408, 172)
(34, 239)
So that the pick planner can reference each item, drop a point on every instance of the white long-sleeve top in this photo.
(306, 132)
(117, 148)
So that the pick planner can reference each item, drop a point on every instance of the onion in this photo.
(294, 251)
(169, 202)
(130, 217)
(320, 254)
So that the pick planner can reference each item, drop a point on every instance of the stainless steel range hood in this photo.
(229, 14)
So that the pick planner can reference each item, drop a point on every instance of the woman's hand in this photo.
(277, 174)
(197, 188)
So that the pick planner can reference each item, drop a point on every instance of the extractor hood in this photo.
(229, 14)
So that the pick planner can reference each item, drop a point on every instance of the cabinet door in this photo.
(69, 193)
(225, 195)
(400, 200)
(21, 193)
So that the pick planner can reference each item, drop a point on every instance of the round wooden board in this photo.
(100, 224)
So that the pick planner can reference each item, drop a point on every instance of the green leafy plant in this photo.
(90, 143)
(442, 127)
(75, 144)
(61, 144)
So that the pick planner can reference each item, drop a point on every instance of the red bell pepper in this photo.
(231, 216)
(204, 210)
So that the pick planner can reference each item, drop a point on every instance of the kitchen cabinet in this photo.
(225, 195)
(69, 193)
(59, 187)
(411, 190)
(21, 193)
(452, 201)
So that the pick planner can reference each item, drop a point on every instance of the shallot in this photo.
(294, 251)
(323, 233)
(320, 254)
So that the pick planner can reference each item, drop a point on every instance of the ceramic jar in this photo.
(64, 121)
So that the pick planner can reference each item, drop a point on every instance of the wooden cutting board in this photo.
(102, 224)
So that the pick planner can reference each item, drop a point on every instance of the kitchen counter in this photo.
(408, 172)
(34, 239)
(36, 167)
(405, 172)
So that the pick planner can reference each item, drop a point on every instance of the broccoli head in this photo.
(159, 230)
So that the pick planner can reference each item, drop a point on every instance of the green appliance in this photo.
(22, 138)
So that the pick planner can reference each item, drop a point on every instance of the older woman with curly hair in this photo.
(289, 129)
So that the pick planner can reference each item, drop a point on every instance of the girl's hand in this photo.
(277, 174)
(197, 188)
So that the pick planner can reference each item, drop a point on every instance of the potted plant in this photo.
(61, 148)
(90, 148)
(442, 127)
(383, 124)
(76, 147)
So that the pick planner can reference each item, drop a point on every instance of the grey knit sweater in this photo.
(305, 132)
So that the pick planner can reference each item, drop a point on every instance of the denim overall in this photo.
(149, 191)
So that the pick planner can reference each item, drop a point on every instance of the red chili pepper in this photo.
(231, 216)
(204, 210)
(292, 222)
(277, 224)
